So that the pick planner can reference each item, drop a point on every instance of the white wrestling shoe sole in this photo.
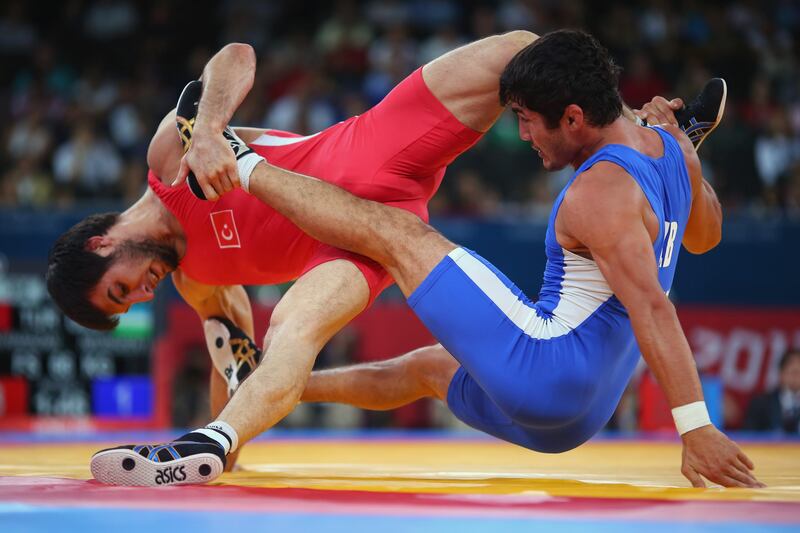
(128, 468)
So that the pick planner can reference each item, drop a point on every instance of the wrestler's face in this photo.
(136, 270)
(550, 143)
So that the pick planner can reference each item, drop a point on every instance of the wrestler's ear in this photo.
(573, 116)
(97, 242)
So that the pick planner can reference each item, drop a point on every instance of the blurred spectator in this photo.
(471, 196)
(122, 63)
(94, 92)
(779, 410)
(30, 137)
(126, 123)
(640, 82)
(439, 43)
(392, 57)
(304, 109)
(87, 164)
(775, 152)
(343, 40)
(17, 35)
(110, 19)
(26, 184)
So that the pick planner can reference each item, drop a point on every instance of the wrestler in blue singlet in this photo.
(548, 375)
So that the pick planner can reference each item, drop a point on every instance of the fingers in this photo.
(742, 478)
(225, 184)
(183, 171)
(209, 190)
(233, 176)
(693, 477)
(746, 460)
(660, 111)
(743, 464)
(730, 481)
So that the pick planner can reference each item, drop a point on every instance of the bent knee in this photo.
(433, 367)
(399, 231)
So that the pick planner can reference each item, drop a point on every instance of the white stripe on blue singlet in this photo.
(583, 291)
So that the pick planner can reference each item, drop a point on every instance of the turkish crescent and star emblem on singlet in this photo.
(225, 229)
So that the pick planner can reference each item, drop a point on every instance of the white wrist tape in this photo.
(246, 165)
(690, 416)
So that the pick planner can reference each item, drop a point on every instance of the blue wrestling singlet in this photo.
(548, 375)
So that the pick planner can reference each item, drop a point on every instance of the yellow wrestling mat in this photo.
(603, 469)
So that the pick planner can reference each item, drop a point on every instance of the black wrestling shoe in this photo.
(186, 111)
(185, 114)
(233, 353)
(193, 458)
(704, 113)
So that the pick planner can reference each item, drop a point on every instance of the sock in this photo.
(222, 433)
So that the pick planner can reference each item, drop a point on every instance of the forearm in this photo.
(227, 78)
(666, 351)
(704, 227)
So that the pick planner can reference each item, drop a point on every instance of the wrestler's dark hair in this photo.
(73, 271)
(561, 68)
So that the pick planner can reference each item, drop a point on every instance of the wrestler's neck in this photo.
(591, 139)
(149, 218)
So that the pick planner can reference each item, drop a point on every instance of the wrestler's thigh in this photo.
(318, 305)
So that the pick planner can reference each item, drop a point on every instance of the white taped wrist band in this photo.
(690, 416)
(246, 165)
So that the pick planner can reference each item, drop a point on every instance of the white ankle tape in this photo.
(246, 165)
(690, 416)
(223, 433)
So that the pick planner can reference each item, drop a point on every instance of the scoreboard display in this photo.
(50, 366)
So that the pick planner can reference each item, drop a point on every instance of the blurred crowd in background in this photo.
(84, 84)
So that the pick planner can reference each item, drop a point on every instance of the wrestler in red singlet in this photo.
(395, 153)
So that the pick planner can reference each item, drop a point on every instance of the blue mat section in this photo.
(33, 519)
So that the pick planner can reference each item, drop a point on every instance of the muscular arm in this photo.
(606, 212)
(227, 78)
(623, 250)
(704, 227)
